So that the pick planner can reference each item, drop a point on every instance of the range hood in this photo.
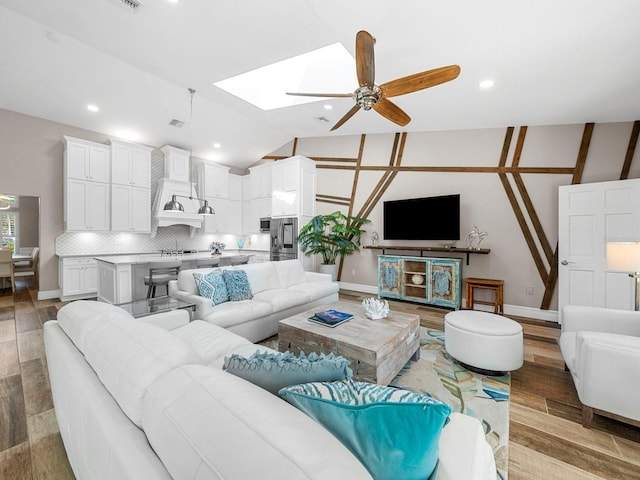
(173, 183)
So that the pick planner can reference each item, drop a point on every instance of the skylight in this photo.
(329, 69)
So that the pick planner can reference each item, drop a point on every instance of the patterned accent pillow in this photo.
(212, 286)
(275, 370)
(237, 285)
(394, 432)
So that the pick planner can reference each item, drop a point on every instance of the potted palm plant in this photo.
(331, 236)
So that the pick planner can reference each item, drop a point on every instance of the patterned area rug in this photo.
(480, 396)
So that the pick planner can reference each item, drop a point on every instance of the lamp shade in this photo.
(623, 256)
(206, 209)
(173, 205)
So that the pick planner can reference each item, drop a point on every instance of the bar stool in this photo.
(207, 262)
(161, 273)
(497, 286)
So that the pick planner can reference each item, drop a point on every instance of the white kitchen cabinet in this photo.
(176, 163)
(293, 181)
(213, 180)
(86, 206)
(130, 209)
(246, 187)
(247, 227)
(260, 181)
(79, 278)
(217, 223)
(258, 208)
(234, 217)
(130, 164)
(85, 160)
(235, 187)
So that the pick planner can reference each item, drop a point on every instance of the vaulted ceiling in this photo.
(552, 63)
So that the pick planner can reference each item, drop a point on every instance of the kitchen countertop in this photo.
(232, 251)
(138, 259)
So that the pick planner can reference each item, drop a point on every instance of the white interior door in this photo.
(590, 215)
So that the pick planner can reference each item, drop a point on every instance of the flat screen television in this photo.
(429, 218)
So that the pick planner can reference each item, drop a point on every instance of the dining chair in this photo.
(6, 268)
(161, 273)
(29, 268)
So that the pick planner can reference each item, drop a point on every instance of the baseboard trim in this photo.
(48, 294)
(516, 310)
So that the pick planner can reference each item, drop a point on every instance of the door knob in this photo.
(564, 262)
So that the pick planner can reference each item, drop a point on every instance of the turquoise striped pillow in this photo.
(394, 432)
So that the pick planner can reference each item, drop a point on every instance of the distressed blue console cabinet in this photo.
(434, 281)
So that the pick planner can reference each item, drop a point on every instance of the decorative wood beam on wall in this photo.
(441, 169)
(549, 277)
(354, 187)
(515, 206)
(631, 148)
(344, 201)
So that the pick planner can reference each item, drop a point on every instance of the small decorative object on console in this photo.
(475, 235)
(216, 248)
(374, 239)
(375, 309)
(417, 279)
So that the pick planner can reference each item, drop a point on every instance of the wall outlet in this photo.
(528, 289)
(353, 271)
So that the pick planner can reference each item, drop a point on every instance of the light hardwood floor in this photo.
(547, 440)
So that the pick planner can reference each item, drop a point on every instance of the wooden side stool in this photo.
(497, 286)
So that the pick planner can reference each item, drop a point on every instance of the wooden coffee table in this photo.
(378, 349)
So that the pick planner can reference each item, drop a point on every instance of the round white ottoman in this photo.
(484, 342)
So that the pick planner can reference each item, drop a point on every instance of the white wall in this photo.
(483, 199)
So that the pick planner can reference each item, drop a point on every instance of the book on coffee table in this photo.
(330, 318)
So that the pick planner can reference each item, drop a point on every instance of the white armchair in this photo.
(601, 348)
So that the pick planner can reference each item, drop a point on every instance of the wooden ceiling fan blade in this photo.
(391, 111)
(365, 63)
(346, 117)
(327, 95)
(419, 81)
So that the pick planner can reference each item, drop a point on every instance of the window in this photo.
(8, 221)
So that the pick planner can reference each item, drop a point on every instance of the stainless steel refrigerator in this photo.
(283, 239)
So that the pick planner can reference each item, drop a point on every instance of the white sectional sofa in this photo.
(137, 401)
(280, 289)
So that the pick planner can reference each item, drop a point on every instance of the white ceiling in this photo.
(553, 62)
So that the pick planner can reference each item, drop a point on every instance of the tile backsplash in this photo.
(83, 243)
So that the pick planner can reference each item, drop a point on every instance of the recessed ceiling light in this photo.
(216, 145)
(173, 1)
(92, 108)
(486, 84)
(328, 107)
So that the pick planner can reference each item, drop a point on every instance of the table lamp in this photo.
(625, 256)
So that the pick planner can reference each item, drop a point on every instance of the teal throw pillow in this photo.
(237, 285)
(394, 432)
(273, 371)
(212, 286)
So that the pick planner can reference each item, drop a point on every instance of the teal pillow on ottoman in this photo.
(212, 286)
(273, 371)
(237, 285)
(394, 432)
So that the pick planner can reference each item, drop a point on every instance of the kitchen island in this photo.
(121, 277)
